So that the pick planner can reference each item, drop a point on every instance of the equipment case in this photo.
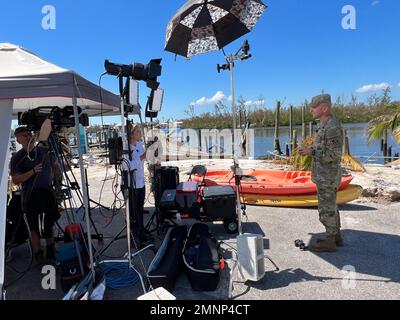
(201, 259)
(165, 178)
(186, 196)
(219, 202)
(167, 264)
(167, 201)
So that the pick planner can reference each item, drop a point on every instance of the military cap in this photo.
(322, 98)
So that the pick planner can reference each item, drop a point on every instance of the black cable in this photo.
(121, 201)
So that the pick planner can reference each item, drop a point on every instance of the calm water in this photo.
(357, 133)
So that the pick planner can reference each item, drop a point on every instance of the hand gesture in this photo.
(38, 168)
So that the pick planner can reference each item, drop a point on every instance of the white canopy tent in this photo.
(26, 82)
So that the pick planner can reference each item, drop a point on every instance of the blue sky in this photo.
(299, 48)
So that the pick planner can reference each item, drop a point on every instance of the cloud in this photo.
(373, 87)
(218, 96)
(254, 103)
(398, 84)
(376, 2)
(259, 102)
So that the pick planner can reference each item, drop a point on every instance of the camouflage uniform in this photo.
(327, 173)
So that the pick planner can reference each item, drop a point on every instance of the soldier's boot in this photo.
(326, 245)
(338, 240)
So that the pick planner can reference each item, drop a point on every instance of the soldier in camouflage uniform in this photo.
(326, 170)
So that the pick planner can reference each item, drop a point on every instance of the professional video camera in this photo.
(137, 71)
(60, 117)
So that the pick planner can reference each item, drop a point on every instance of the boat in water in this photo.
(267, 182)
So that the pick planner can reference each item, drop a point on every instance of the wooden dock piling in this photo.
(294, 140)
(277, 147)
(346, 145)
(303, 122)
(290, 122)
(385, 147)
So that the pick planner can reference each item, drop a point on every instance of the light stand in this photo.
(149, 74)
(249, 258)
(230, 64)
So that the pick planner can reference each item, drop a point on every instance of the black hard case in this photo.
(219, 202)
(165, 178)
(167, 201)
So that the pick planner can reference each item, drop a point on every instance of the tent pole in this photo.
(83, 179)
(5, 118)
(3, 208)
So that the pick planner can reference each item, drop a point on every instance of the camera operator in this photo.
(31, 168)
(137, 164)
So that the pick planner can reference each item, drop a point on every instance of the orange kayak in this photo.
(273, 182)
(350, 193)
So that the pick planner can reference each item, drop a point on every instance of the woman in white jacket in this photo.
(136, 164)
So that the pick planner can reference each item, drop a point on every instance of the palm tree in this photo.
(388, 120)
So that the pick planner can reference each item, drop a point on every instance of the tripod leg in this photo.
(98, 235)
(117, 237)
(150, 222)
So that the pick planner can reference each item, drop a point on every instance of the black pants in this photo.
(42, 205)
(136, 204)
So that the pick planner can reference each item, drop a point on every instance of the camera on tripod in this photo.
(59, 117)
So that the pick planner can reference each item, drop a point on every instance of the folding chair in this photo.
(201, 171)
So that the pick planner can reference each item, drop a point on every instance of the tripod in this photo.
(56, 148)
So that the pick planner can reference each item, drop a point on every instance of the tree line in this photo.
(257, 115)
